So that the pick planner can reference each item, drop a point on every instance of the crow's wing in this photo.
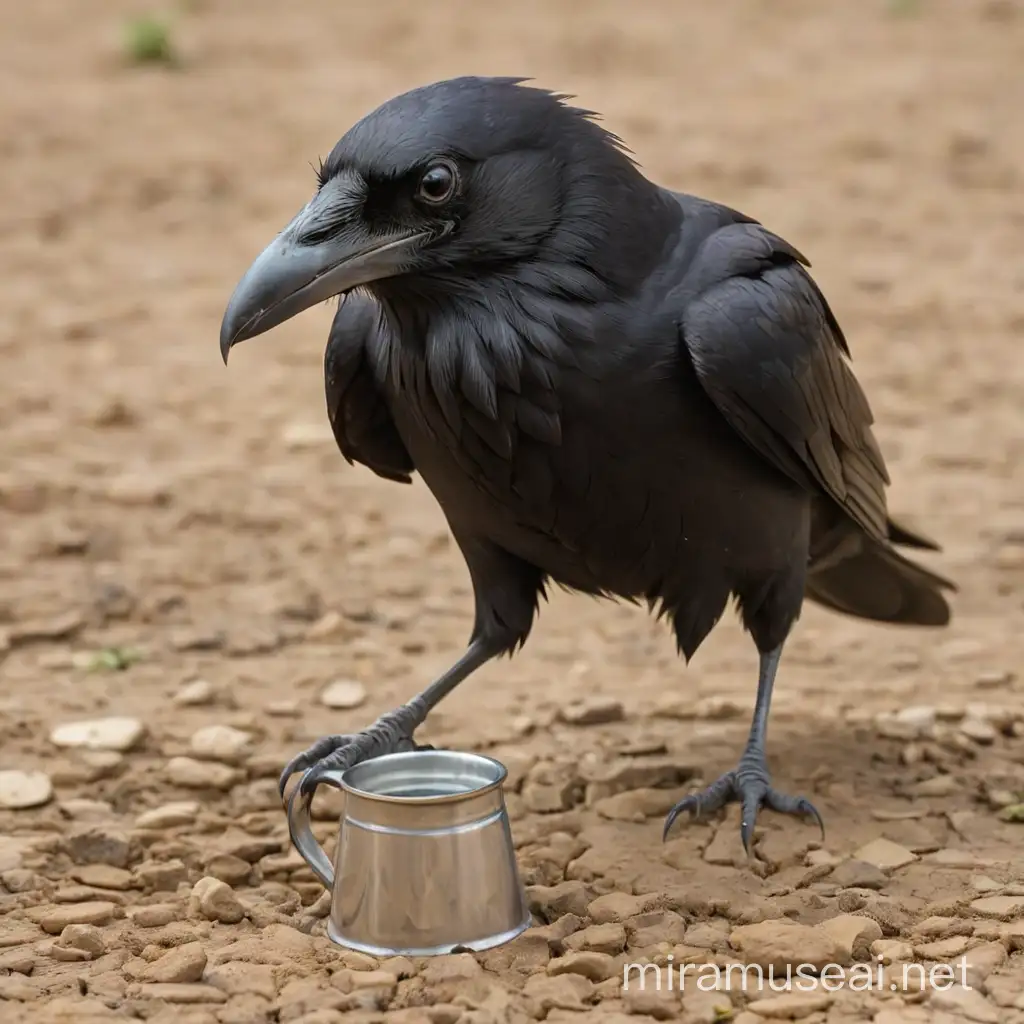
(772, 358)
(359, 416)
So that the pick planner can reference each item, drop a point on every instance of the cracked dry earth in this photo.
(195, 585)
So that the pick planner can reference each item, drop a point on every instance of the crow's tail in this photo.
(852, 573)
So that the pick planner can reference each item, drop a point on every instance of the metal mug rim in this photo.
(501, 773)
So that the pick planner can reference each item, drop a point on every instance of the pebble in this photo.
(239, 978)
(601, 938)
(343, 694)
(155, 915)
(853, 935)
(160, 875)
(21, 790)
(220, 743)
(87, 810)
(636, 805)
(890, 951)
(100, 845)
(1002, 907)
(216, 901)
(651, 1003)
(885, 855)
(551, 902)
(561, 992)
(194, 694)
(85, 937)
(966, 1003)
(979, 729)
(791, 1005)
(192, 774)
(116, 734)
(183, 994)
(96, 912)
(858, 874)
(943, 949)
(184, 963)
(103, 876)
(783, 943)
(937, 785)
(181, 812)
(594, 711)
(590, 964)
(618, 906)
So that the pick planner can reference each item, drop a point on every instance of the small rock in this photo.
(103, 876)
(885, 855)
(117, 734)
(889, 951)
(636, 805)
(87, 810)
(283, 709)
(601, 938)
(1001, 907)
(651, 1003)
(594, 711)
(562, 992)
(858, 874)
(192, 774)
(100, 845)
(183, 964)
(791, 1005)
(194, 694)
(181, 812)
(217, 901)
(965, 1003)
(85, 937)
(937, 786)
(618, 906)
(161, 876)
(343, 694)
(981, 961)
(21, 790)
(943, 949)
(97, 912)
(783, 943)
(220, 743)
(239, 978)
(155, 915)
(978, 729)
(182, 994)
(451, 967)
(228, 868)
(551, 902)
(595, 966)
(853, 935)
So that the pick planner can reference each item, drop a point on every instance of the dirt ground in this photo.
(183, 545)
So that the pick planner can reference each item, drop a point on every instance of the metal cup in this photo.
(425, 862)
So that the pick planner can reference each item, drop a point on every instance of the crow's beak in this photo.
(326, 250)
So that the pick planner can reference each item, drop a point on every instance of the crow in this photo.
(617, 389)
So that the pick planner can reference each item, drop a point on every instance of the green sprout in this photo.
(148, 41)
(109, 659)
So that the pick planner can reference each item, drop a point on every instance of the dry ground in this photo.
(196, 523)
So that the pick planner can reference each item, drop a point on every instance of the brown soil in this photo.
(153, 502)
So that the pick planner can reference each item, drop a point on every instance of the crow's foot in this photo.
(390, 734)
(750, 786)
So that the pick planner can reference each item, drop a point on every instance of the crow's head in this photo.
(453, 181)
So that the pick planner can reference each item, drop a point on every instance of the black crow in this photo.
(622, 390)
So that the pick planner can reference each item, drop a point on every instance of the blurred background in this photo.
(164, 519)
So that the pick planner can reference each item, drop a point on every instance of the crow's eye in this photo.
(438, 184)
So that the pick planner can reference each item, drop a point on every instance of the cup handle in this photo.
(302, 835)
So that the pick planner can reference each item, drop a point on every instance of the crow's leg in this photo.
(750, 782)
(506, 592)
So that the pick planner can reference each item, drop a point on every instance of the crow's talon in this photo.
(390, 734)
(751, 787)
